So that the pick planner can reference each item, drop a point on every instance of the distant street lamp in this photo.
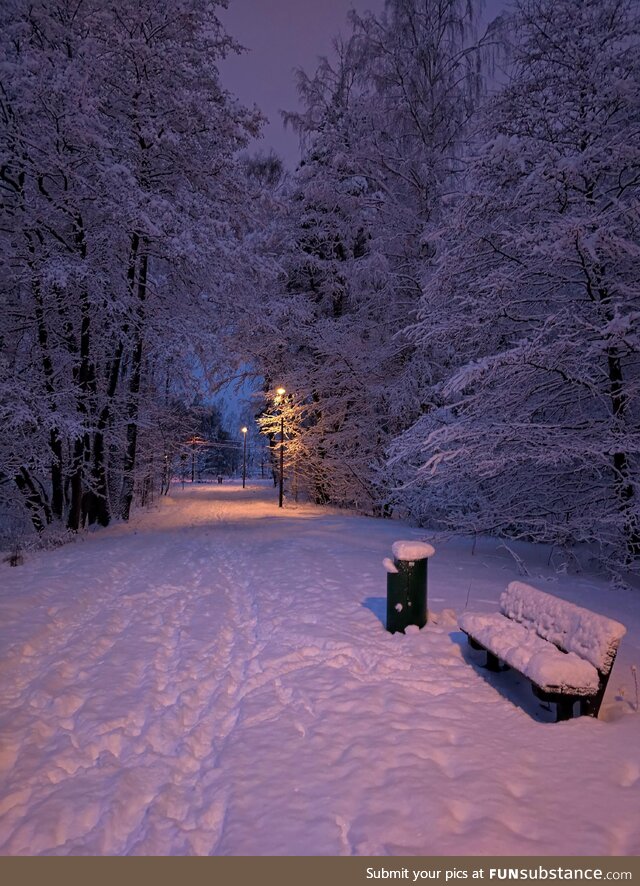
(281, 392)
(244, 458)
(194, 441)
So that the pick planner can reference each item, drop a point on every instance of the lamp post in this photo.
(244, 458)
(193, 441)
(281, 392)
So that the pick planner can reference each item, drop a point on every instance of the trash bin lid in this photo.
(412, 550)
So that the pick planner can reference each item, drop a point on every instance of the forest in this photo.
(446, 287)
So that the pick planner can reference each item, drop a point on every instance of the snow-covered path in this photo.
(216, 679)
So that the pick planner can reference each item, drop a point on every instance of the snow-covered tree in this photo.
(534, 427)
(382, 128)
(121, 207)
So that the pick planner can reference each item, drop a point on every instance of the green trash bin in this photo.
(407, 585)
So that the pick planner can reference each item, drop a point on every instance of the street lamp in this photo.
(281, 392)
(244, 458)
(194, 441)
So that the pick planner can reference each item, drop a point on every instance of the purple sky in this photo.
(282, 35)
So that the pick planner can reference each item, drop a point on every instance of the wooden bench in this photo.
(567, 652)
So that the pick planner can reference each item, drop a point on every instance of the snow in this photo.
(215, 678)
(570, 627)
(389, 566)
(412, 550)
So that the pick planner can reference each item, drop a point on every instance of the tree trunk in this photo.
(128, 480)
(98, 510)
(74, 520)
(38, 506)
(85, 378)
(55, 443)
(623, 482)
(57, 483)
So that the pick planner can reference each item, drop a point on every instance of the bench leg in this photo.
(590, 706)
(493, 663)
(564, 709)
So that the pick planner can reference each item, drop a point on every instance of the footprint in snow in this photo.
(628, 775)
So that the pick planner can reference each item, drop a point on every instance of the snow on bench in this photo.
(567, 652)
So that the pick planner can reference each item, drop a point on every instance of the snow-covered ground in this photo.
(215, 678)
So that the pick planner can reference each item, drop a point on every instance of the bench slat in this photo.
(569, 627)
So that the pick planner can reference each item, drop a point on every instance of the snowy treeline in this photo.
(382, 128)
(447, 287)
(121, 229)
(535, 299)
(457, 317)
